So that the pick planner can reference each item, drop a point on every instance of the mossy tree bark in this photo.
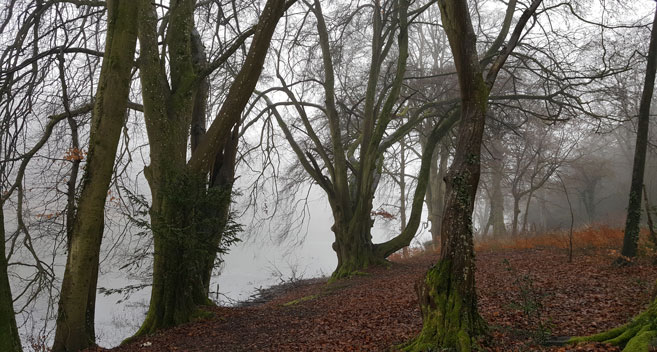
(633, 222)
(190, 198)
(639, 335)
(75, 319)
(447, 295)
(9, 339)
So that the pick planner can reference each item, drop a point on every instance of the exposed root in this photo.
(639, 335)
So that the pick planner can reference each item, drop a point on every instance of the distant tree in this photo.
(496, 180)
(640, 333)
(537, 154)
(632, 225)
(347, 143)
(9, 339)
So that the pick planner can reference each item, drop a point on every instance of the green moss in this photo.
(446, 319)
(201, 314)
(300, 300)
(640, 335)
(642, 342)
(604, 336)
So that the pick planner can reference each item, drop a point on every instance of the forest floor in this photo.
(527, 293)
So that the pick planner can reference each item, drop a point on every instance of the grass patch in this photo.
(300, 300)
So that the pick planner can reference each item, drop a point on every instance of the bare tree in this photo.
(188, 211)
(447, 295)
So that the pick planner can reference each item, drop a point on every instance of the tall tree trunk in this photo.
(75, 319)
(220, 186)
(525, 215)
(631, 238)
(188, 210)
(516, 215)
(402, 192)
(9, 340)
(497, 198)
(447, 295)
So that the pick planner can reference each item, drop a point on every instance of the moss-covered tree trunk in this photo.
(631, 238)
(75, 320)
(189, 210)
(447, 296)
(9, 339)
(353, 246)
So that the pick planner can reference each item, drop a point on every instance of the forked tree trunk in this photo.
(75, 319)
(9, 340)
(353, 239)
(188, 212)
(447, 296)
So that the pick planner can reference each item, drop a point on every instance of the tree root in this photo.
(639, 335)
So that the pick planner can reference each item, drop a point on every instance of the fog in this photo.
(558, 142)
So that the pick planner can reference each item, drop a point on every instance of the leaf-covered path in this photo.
(524, 294)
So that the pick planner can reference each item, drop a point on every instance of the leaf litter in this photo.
(527, 296)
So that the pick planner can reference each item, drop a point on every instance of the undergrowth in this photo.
(529, 302)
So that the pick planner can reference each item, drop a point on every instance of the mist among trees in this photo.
(147, 138)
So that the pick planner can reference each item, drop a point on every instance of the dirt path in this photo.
(524, 295)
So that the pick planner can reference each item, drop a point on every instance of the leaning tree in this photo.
(76, 315)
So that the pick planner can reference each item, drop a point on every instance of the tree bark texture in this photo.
(447, 296)
(9, 339)
(191, 199)
(75, 319)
